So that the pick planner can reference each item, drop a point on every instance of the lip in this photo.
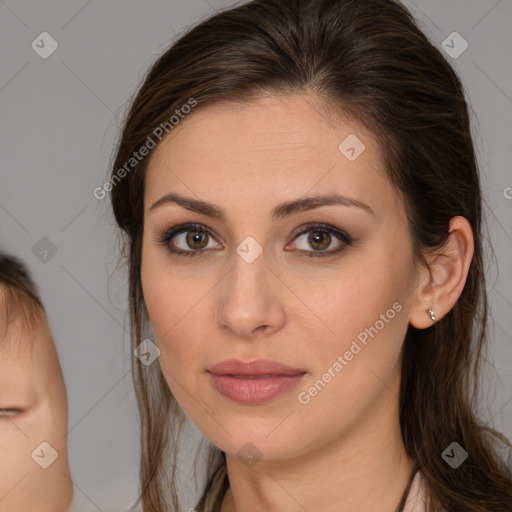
(256, 368)
(254, 382)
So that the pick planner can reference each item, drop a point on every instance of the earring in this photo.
(432, 314)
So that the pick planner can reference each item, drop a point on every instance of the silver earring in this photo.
(432, 314)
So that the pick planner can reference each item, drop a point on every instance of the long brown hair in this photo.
(368, 60)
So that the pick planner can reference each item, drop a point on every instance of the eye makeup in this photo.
(166, 236)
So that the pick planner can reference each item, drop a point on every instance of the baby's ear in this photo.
(445, 279)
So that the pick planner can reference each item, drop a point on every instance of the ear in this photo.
(441, 286)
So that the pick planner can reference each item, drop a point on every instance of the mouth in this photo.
(254, 382)
(255, 376)
(256, 368)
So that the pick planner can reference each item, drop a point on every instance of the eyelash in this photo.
(167, 236)
(7, 413)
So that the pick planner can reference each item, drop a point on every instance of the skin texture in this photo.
(31, 380)
(342, 451)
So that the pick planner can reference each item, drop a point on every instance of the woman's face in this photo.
(251, 290)
(34, 472)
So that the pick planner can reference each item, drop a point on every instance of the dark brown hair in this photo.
(369, 61)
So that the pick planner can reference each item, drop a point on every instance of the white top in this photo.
(416, 500)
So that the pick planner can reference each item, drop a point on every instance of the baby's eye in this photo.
(8, 413)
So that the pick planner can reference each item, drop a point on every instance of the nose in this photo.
(251, 299)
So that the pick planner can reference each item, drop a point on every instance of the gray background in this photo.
(59, 120)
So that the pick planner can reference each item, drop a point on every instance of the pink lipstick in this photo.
(254, 382)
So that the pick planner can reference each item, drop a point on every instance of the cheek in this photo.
(22, 481)
(175, 306)
(365, 312)
(18, 440)
(345, 302)
(14, 455)
(366, 323)
(357, 370)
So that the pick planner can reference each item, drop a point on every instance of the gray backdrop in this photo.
(60, 115)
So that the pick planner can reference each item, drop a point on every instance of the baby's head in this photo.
(34, 471)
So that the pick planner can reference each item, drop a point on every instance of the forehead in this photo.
(17, 376)
(26, 345)
(276, 146)
(19, 318)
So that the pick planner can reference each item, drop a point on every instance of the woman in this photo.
(298, 188)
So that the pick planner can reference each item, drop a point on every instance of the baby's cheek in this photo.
(3, 450)
(14, 456)
(40, 427)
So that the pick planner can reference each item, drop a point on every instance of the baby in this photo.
(34, 471)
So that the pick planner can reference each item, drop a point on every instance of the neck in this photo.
(366, 469)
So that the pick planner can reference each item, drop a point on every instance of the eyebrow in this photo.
(285, 209)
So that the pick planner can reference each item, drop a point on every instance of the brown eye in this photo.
(188, 240)
(321, 237)
(319, 240)
(196, 237)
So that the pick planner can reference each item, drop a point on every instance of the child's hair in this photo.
(19, 298)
